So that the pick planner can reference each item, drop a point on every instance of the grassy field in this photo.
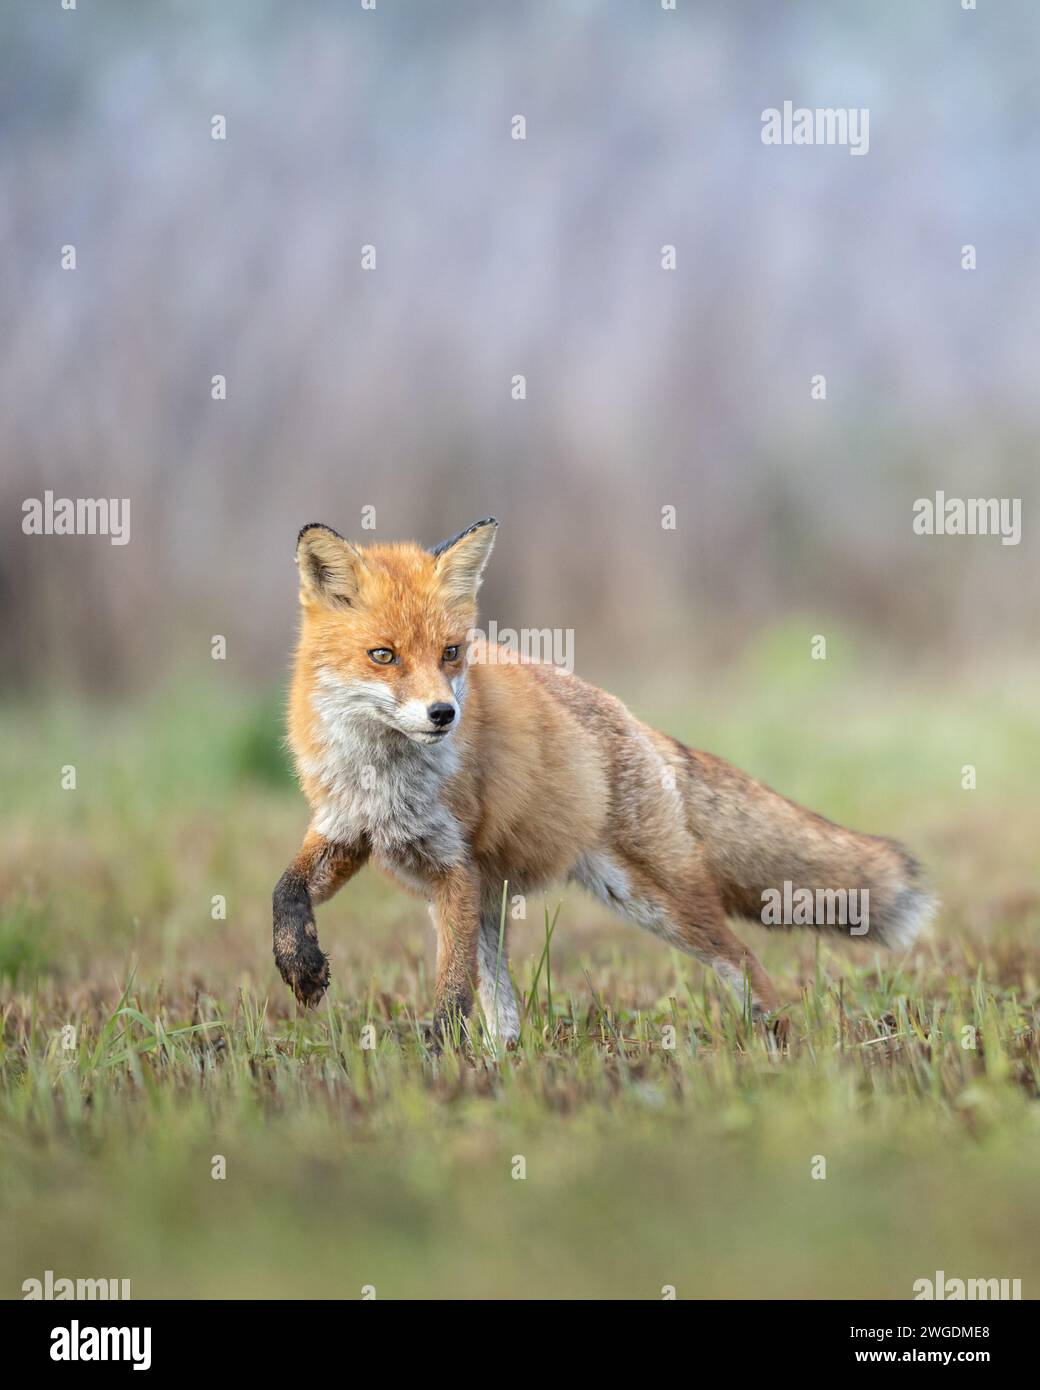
(142, 1037)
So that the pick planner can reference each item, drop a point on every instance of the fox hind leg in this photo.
(695, 922)
(687, 914)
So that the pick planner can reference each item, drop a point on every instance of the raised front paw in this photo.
(305, 969)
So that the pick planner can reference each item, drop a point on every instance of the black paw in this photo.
(449, 1029)
(305, 970)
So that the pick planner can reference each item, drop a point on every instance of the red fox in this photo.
(454, 776)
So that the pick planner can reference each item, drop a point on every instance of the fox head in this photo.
(386, 627)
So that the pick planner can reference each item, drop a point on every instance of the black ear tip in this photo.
(315, 526)
(477, 525)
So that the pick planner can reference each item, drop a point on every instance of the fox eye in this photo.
(382, 656)
(451, 654)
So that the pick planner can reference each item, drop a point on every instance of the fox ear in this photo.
(330, 567)
(461, 561)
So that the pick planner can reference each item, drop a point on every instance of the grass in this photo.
(143, 1039)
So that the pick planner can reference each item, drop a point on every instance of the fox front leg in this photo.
(455, 905)
(320, 868)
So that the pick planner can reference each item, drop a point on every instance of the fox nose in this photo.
(441, 714)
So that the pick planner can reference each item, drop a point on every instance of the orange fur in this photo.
(539, 777)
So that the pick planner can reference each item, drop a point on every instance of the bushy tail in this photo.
(775, 862)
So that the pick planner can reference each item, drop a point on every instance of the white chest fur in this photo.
(377, 785)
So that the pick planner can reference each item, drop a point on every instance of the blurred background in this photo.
(392, 388)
